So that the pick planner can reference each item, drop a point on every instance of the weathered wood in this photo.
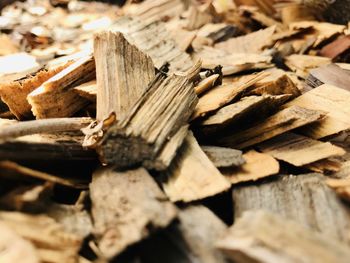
(340, 186)
(283, 121)
(165, 106)
(299, 150)
(257, 166)
(15, 93)
(335, 102)
(126, 207)
(123, 73)
(192, 176)
(224, 157)
(305, 199)
(224, 94)
(337, 48)
(87, 90)
(206, 84)
(55, 97)
(263, 237)
(324, 166)
(302, 64)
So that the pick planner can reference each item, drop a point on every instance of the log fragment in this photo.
(305, 198)
(165, 106)
(299, 150)
(331, 100)
(192, 176)
(224, 157)
(263, 237)
(283, 121)
(126, 206)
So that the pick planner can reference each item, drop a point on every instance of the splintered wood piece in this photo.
(14, 248)
(244, 108)
(250, 43)
(55, 147)
(324, 166)
(15, 93)
(206, 84)
(277, 82)
(302, 64)
(199, 16)
(192, 176)
(257, 166)
(87, 90)
(167, 154)
(330, 74)
(232, 62)
(291, 196)
(152, 38)
(336, 48)
(55, 97)
(123, 73)
(23, 128)
(183, 38)
(335, 102)
(61, 246)
(224, 94)
(341, 187)
(165, 106)
(224, 157)
(266, 237)
(126, 207)
(283, 121)
(299, 150)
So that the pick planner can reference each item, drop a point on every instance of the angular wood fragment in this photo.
(55, 97)
(87, 90)
(206, 84)
(123, 73)
(224, 94)
(341, 187)
(192, 176)
(126, 207)
(302, 64)
(199, 16)
(240, 110)
(166, 106)
(264, 237)
(301, 198)
(299, 150)
(336, 48)
(250, 43)
(15, 93)
(283, 121)
(335, 102)
(224, 157)
(183, 38)
(324, 166)
(257, 166)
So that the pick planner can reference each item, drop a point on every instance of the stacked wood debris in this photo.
(175, 131)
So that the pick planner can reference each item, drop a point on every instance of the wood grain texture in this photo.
(263, 237)
(192, 176)
(302, 64)
(87, 90)
(335, 102)
(305, 199)
(283, 121)
(224, 157)
(299, 150)
(126, 206)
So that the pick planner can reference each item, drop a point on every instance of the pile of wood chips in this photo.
(173, 131)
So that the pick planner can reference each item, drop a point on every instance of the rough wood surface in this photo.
(87, 90)
(305, 199)
(299, 150)
(192, 176)
(302, 64)
(165, 106)
(335, 102)
(224, 157)
(260, 237)
(126, 207)
(123, 73)
(283, 121)
(257, 166)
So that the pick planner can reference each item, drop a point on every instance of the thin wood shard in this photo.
(87, 90)
(265, 237)
(291, 197)
(335, 102)
(257, 166)
(224, 157)
(123, 73)
(15, 93)
(55, 97)
(192, 176)
(283, 121)
(299, 150)
(126, 206)
(165, 106)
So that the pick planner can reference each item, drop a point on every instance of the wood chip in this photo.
(302, 64)
(224, 157)
(87, 90)
(192, 176)
(126, 206)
